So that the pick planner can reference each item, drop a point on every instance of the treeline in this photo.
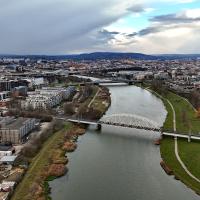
(43, 117)
(159, 87)
(35, 144)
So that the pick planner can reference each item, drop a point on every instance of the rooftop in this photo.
(15, 123)
(8, 158)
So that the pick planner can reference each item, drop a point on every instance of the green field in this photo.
(190, 158)
(186, 119)
(185, 115)
(188, 152)
(190, 155)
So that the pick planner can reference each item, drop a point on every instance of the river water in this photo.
(121, 163)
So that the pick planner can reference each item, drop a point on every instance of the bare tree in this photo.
(69, 108)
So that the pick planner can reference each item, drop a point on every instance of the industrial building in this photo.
(15, 130)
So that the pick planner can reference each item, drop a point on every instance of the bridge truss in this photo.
(131, 121)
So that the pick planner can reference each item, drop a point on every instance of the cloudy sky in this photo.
(76, 26)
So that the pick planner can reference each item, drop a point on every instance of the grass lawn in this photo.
(190, 155)
(38, 163)
(181, 106)
(187, 156)
(168, 124)
(188, 152)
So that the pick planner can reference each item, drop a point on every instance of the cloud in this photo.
(173, 33)
(138, 8)
(63, 26)
(49, 26)
(188, 16)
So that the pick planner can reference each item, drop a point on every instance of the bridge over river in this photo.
(130, 121)
(107, 81)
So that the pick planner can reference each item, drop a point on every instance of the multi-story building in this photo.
(47, 97)
(15, 130)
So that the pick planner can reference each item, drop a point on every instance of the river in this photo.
(121, 163)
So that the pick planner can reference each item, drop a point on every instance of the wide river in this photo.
(121, 163)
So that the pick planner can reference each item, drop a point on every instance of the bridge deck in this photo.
(194, 137)
(83, 121)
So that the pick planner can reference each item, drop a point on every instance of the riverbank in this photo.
(51, 160)
(32, 181)
(96, 106)
(48, 164)
(189, 153)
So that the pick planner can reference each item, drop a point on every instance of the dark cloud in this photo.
(106, 32)
(132, 34)
(174, 18)
(136, 8)
(150, 30)
(105, 35)
(60, 26)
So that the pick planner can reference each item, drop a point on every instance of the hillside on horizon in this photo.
(107, 56)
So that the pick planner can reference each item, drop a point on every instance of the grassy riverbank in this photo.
(185, 115)
(187, 155)
(35, 171)
(186, 119)
(50, 162)
(188, 152)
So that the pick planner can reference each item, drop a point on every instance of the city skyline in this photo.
(65, 27)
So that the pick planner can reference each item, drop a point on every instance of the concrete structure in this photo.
(19, 91)
(15, 130)
(9, 160)
(6, 150)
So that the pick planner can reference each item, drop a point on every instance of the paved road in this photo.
(181, 162)
(94, 98)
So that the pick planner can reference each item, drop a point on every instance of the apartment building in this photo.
(47, 97)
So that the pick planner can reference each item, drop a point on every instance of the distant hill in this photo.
(108, 55)
(111, 55)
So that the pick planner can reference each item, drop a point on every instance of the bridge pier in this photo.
(161, 133)
(189, 137)
(99, 126)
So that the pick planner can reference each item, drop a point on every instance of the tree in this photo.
(69, 108)
(195, 99)
(198, 113)
(186, 121)
(159, 87)
(184, 117)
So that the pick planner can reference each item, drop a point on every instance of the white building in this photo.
(47, 97)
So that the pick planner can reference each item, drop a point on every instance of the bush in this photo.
(34, 145)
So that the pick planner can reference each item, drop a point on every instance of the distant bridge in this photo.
(107, 81)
